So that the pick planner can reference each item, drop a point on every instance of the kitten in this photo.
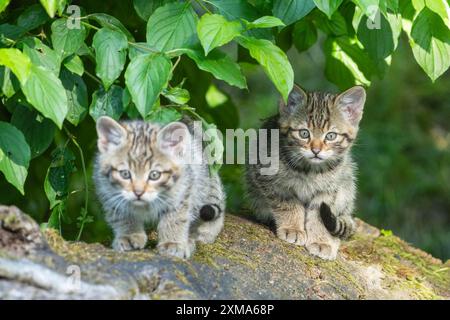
(142, 177)
(311, 197)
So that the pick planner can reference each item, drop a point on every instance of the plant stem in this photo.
(92, 76)
(175, 64)
(86, 182)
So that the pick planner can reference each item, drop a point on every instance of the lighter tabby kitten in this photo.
(141, 178)
(311, 198)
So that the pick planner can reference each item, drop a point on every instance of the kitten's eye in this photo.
(154, 175)
(331, 136)
(125, 174)
(304, 133)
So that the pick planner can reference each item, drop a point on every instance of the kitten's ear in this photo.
(351, 104)
(297, 99)
(174, 140)
(110, 133)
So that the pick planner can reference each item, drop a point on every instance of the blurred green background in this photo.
(403, 149)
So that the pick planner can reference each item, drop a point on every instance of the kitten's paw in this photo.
(294, 236)
(322, 250)
(206, 237)
(175, 249)
(134, 241)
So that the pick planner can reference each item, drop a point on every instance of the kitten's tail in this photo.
(210, 212)
(342, 226)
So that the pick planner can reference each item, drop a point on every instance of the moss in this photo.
(223, 248)
(409, 269)
(81, 252)
(181, 276)
(245, 248)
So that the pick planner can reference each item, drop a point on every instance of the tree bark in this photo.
(246, 262)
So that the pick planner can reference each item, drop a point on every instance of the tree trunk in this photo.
(246, 262)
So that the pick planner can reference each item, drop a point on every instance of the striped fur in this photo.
(175, 198)
(311, 198)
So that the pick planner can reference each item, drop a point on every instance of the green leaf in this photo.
(14, 155)
(177, 95)
(110, 53)
(18, 62)
(393, 5)
(132, 112)
(328, 6)
(219, 65)
(347, 64)
(40, 54)
(107, 21)
(145, 8)
(77, 96)
(237, 10)
(107, 103)
(172, 26)
(164, 115)
(67, 41)
(10, 32)
(74, 64)
(304, 35)
(408, 13)
(264, 22)
(33, 17)
(45, 92)
(146, 76)
(37, 130)
(380, 41)
(56, 217)
(215, 31)
(430, 42)
(274, 62)
(4, 4)
(292, 10)
(214, 97)
(369, 7)
(51, 6)
(441, 7)
(8, 82)
(138, 48)
(57, 180)
(336, 25)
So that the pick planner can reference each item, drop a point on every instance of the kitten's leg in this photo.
(173, 233)
(290, 222)
(320, 242)
(129, 234)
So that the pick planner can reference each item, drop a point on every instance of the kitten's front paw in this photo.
(134, 241)
(323, 250)
(291, 235)
(175, 249)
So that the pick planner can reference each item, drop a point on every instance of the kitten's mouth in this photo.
(316, 159)
(139, 202)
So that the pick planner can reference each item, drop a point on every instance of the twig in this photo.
(86, 183)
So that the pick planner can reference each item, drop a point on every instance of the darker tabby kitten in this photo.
(142, 176)
(311, 197)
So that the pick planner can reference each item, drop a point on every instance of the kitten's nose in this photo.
(316, 150)
(138, 193)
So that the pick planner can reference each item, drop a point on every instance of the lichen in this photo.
(252, 254)
(407, 269)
